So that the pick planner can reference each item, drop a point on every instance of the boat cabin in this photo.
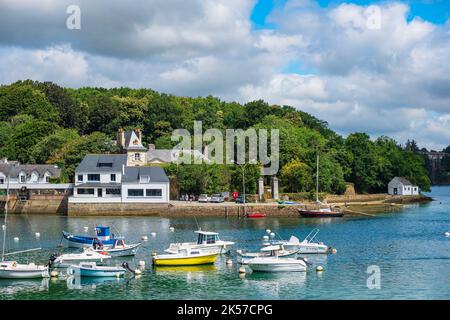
(274, 249)
(103, 233)
(205, 237)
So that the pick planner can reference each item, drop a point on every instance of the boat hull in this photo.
(79, 241)
(212, 249)
(98, 272)
(130, 250)
(64, 263)
(279, 266)
(185, 261)
(23, 272)
(319, 214)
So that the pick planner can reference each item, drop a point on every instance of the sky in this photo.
(380, 67)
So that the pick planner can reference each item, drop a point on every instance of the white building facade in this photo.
(109, 179)
(402, 186)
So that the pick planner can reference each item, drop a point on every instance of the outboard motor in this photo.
(52, 259)
(126, 266)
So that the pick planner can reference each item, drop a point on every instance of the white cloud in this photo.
(390, 81)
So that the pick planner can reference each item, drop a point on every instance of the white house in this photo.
(108, 178)
(402, 186)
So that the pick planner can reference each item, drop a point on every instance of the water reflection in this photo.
(275, 284)
(90, 283)
(14, 286)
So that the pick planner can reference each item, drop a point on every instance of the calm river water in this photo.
(409, 248)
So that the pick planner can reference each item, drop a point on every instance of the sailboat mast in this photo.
(317, 179)
(6, 216)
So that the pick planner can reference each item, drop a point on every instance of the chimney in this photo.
(120, 138)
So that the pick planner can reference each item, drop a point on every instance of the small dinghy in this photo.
(68, 259)
(273, 263)
(103, 238)
(120, 249)
(14, 270)
(185, 257)
(91, 269)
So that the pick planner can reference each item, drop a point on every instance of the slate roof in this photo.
(14, 169)
(403, 181)
(133, 174)
(91, 161)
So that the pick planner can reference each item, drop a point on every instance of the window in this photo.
(153, 192)
(85, 191)
(135, 192)
(144, 179)
(47, 179)
(80, 177)
(113, 191)
(104, 165)
(137, 156)
(22, 178)
(2, 180)
(113, 177)
(93, 177)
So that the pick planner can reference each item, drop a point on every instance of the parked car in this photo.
(203, 198)
(217, 197)
(240, 199)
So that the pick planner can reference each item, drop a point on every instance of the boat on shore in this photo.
(91, 269)
(273, 263)
(207, 242)
(103, 238)
(185, 257)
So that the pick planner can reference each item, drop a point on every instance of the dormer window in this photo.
(23, 178)
(145, 179)
(137, 156)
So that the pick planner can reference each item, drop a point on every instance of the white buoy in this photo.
(37, 234)
(142, 263)
(229, 262)
(137, 272)
(172, 229)
(3, 227)
(16, 239)
(268, 231)
(242, 270)
(145, 238)
(153, 234)
(333, 251)
(54, 274)
(447, 234)
(265, 238)
(86, 229)
(272, 235)
(319, 269)
(153, 254)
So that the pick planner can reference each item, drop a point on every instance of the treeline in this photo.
(41, 122)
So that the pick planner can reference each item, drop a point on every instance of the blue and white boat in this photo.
(90, 269)
(103, 237)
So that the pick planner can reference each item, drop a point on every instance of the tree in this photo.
(46, 148)
(296, 176)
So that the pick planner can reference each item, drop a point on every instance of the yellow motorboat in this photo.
(185, 257)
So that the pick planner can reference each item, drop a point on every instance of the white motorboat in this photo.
(68, 259)
(14, 270)
(91, 269)
(283, 253)
(207, 242)
(309, 245)
(273, 263)
(120, 249)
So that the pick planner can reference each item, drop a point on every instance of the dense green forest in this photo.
(41, 122)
